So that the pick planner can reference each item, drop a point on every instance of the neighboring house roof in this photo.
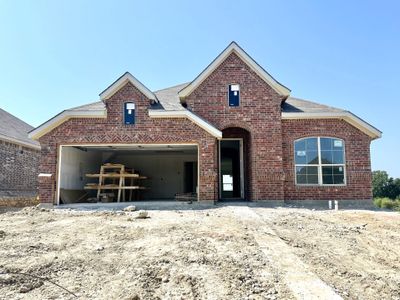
(15, 130)
(235, 48)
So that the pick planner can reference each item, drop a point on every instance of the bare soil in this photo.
(199, 254)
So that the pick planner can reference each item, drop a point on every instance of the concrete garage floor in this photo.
(182, 205)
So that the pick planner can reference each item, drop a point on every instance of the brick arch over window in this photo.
(239, 132)
(237, 124)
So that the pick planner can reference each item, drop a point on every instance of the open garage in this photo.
(116, 173)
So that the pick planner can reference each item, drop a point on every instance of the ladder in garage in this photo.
(115, 168)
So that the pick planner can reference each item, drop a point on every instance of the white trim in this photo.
(320, 164)
(45, 175)
(62, 117)
(186, 114)
(59, 164)
(235, 48)
(18, 142)
(120, 82)
(94, 145)
(345, 115)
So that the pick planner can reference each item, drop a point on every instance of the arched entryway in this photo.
(234, 164)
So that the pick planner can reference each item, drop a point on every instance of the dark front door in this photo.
(231, 169)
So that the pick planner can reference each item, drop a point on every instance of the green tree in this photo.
(385, 186)
(380, 180)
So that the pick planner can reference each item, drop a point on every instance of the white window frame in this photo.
(320, 164)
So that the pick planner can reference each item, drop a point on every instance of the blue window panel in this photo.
(129, 113)
(234, 95)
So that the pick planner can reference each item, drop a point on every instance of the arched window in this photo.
(320, 161)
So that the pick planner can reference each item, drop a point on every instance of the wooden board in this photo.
(112, 175)
(113, 187)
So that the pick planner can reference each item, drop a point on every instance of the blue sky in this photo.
(60, 54)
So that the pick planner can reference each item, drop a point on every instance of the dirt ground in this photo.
(215, 253)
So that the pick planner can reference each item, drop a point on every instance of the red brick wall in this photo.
(18, 170)
(269, 161)
(146, 130)
(258, 112)
(358, 166)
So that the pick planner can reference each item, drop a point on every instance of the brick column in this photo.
(208, 168)
(48, 161)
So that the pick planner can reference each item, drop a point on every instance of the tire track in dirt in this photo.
(302, 282)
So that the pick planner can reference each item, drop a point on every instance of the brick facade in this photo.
(18, 170)
(259, 113)
(268, 140)
(357, 155)
(145, 131)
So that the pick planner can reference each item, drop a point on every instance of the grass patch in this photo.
(387, 203)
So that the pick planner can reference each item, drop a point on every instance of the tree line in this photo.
(384, 186)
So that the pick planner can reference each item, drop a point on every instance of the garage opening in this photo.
(116, 173)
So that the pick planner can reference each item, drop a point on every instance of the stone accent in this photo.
(18, 201)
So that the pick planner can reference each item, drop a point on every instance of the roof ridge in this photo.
(171, 87)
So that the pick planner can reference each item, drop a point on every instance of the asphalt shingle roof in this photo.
(296, 105)
(169, 100)
(91, 106)
(14, 128)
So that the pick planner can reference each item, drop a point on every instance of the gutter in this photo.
(19, 142)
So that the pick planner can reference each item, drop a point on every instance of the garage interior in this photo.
(115, 173)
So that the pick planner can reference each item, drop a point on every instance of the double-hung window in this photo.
(320, 161)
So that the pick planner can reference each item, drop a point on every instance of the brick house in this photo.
(234, 132)
(19, 157)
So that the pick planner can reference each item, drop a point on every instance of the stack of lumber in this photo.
(118, 175)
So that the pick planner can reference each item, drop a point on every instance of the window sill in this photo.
(320, 185)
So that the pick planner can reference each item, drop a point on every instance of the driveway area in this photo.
(229, 252)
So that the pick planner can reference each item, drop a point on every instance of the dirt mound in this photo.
(205, 254)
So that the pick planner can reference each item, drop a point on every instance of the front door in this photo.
(231, 169)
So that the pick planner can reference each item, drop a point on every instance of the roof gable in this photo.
(235, 48)
(120, 82)
(298, 109)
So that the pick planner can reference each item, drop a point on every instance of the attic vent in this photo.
(234, 95)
